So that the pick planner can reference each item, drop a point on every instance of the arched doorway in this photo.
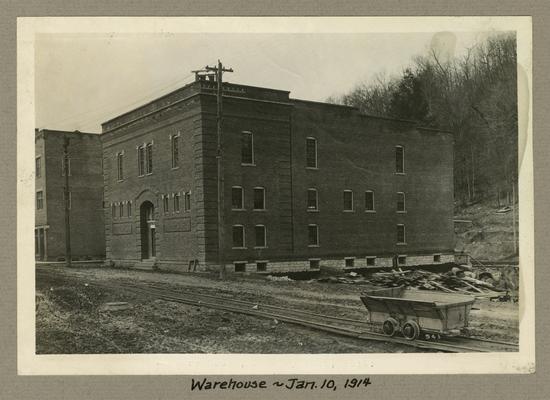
(147, 229)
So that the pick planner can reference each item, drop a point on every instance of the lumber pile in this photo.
(449, 282)
(455, 281)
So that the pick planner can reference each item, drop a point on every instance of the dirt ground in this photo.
(70, 316)
(489, 236)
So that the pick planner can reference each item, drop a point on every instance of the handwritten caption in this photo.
(284, 384)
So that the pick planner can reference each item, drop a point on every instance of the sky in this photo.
(82, 80)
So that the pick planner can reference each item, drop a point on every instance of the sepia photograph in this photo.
(324, 189)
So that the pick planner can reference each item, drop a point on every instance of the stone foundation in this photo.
(267, 267)
(313, 264)
(335, 264)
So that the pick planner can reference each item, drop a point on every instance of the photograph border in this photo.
(238, 364)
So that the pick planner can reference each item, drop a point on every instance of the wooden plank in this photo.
(441, 287)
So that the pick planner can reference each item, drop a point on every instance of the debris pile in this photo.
(459, 280)
(279, 278)
(454, 281)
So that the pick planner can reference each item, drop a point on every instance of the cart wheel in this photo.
(410, 330)
(390, 327)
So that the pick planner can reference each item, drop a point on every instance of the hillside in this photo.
(484, 233)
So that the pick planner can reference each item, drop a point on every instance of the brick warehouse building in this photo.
(85, 195)
(306, 184)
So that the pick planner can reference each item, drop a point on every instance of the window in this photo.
(38, 167)
(240, 266)
(313, 235)
(401, 234)
(401, 260)
(113, 211)
(349, 262)
(348, 200)
(67, 202)
(261, 266)
(371, 261)
(247, 149)
(150, 214)
(121, 210)
(174, 140)
(259, 198)
(437, 258)
(237, 198)
(129, 209)
(149, 154)
(311, 152)
(187, 204)
(165, 206)
(399, 159)
(176, 202)
(63, 166)
(238, 237)
(369, 200)
(312, 200)
(260, 235)
(141, 160)
(39, 200)
(400, 202)
(314, 263)
(119, 163)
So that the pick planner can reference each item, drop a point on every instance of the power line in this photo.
(94, 121)
(105, 107)
(101, 113)
(117, 111)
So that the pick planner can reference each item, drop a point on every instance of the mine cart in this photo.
(417, 312)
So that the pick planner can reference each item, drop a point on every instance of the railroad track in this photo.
(353, 328)
(263, 306)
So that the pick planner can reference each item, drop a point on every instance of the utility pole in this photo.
(66, 198)
(514, 216)
(218, 71)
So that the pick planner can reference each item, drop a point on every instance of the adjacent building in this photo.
(305, 184)
(87, 230)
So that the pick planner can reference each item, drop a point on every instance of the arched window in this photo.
(399, 160)
(260, 236)
(238, 237)
(312, 200)
(313, 235)
(259, 198)
(247, 148)
(311, 152)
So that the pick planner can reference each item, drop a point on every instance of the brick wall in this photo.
(86, 214)
(176, 238)
(270, 125)
(358, 153)
(40, 182)
(355, 152)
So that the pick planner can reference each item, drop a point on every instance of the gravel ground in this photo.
(71, 319)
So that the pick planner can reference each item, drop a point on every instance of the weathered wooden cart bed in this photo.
(416, 312)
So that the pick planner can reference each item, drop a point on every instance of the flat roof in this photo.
(56, 131)
(187, 86)
(148, 103)
(417, 124)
